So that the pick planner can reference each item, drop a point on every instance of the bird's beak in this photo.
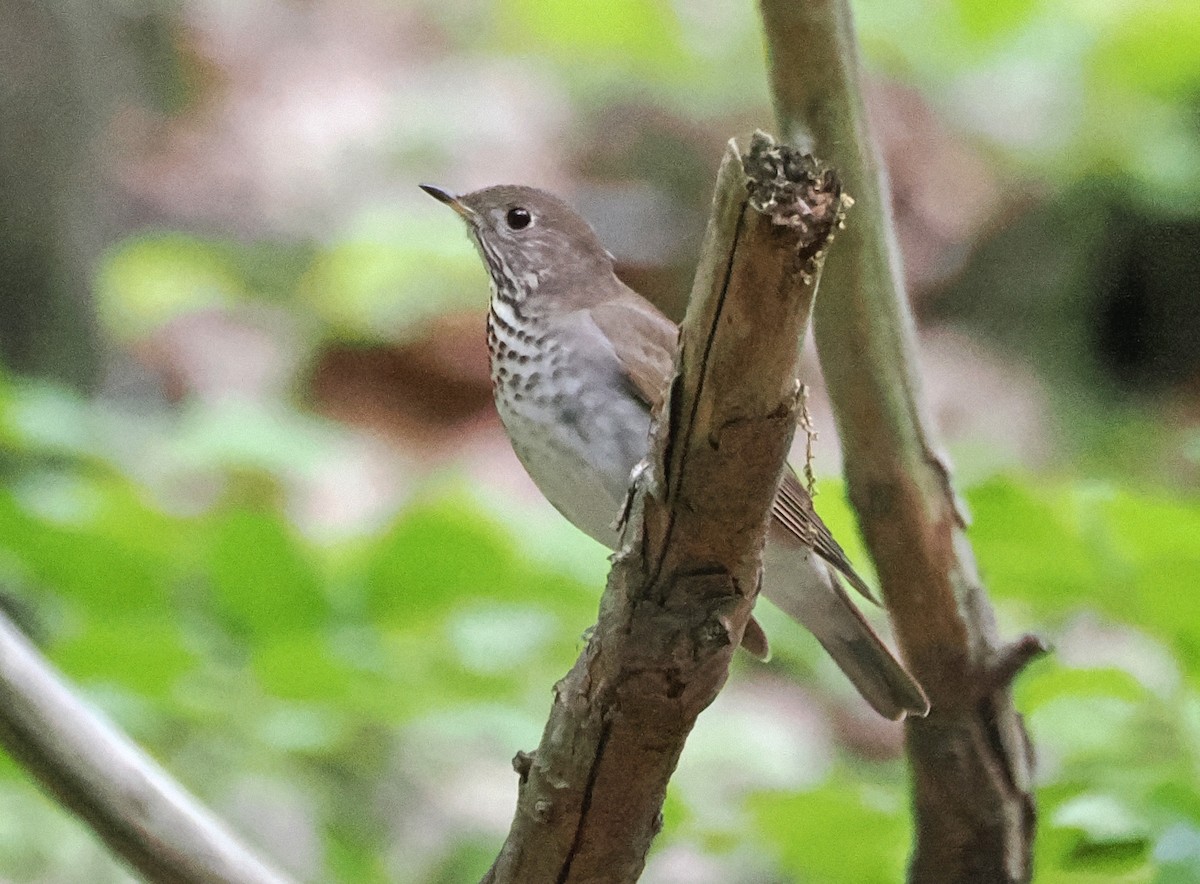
(467, 213)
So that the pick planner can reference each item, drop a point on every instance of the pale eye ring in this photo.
(518, 218)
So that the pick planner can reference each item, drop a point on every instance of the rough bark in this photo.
(95, 771)
(684, 581)
(970, 759)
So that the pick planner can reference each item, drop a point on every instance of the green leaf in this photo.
(354, 856)
(433, 558)
(1107, 834)
(469, 860)
(1044, 682)
(263, 580)
(988, 20)
(300, 667)
(1082, 725)
(1032, 546)
(102, 573)
(391, 273)
(1153, 50)
(147, 281)
(1157, 538)
(1132, 556)
(640, 35)
(841, 832)
(442, 554)
(146, 655)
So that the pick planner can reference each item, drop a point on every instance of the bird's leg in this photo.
(640, 469)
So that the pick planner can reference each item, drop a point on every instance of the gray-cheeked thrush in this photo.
(579, 361)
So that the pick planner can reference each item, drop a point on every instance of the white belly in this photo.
(581, 464)
(578, 439)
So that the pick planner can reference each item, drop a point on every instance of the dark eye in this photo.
(518, 218)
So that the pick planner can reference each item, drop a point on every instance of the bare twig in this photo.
(683, 584)
(971, 771)
(95, 771)
(1012, 659)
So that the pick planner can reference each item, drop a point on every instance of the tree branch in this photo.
(683, 583)
(970, 758)
(95, 771)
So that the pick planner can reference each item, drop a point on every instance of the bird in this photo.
(579, 364)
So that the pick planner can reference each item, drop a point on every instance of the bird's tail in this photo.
(806, 589)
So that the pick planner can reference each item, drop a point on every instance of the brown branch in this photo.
(971, 770)
(1011, 660)
(96, 772)
(683, 584)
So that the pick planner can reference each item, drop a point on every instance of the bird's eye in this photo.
(518, 218)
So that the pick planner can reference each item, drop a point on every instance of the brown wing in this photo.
(644, 341)
(794, 511)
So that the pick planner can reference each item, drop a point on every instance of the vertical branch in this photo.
(970, 757)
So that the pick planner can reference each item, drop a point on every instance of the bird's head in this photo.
(529, 239)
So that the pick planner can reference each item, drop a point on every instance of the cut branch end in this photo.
(793, 189)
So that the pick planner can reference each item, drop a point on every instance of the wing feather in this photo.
(645, 342)
(794, 511)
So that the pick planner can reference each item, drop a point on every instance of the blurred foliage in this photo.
(223, 633)
(354, 700)
(372, 281)
(368, 672)
(1068, 89)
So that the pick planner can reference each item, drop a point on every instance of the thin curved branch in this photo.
(970, 757)
(682, 586)
(100, 775)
